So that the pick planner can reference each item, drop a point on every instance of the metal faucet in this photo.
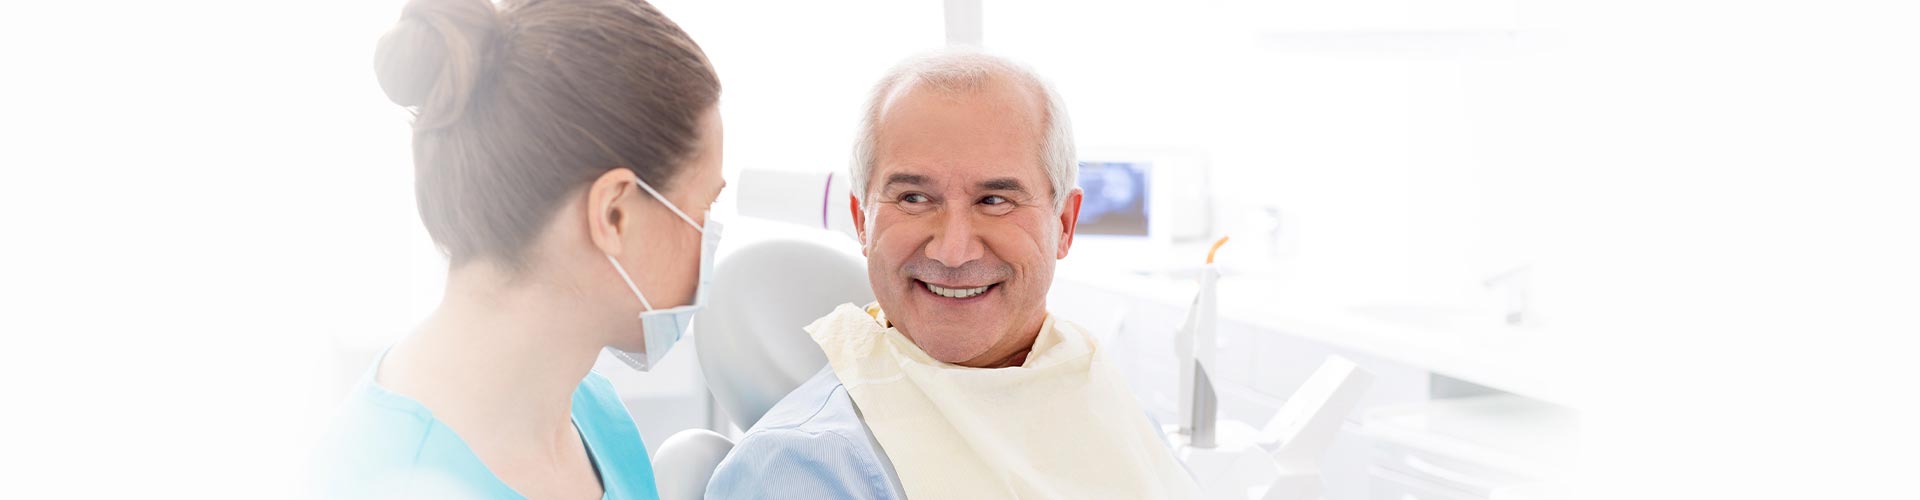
(1514, 284)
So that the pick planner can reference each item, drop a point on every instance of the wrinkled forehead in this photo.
(992, 128)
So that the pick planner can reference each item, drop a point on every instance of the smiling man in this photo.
(956, 382)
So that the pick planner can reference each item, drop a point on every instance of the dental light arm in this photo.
(812, 199)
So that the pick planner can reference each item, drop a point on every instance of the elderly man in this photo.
(957, 383)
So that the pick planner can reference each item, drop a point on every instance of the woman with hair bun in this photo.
(565, 153)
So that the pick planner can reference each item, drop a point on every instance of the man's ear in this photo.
(859, 222)
(1069, 220)
(607, 220)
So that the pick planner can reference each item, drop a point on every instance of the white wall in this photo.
(1376, 130)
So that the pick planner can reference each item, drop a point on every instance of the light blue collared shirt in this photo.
(811, 444)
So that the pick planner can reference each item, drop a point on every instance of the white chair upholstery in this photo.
(686, 461)
(750, 343)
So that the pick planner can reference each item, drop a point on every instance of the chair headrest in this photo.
(750, 342)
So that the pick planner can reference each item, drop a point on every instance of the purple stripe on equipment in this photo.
(825, 197)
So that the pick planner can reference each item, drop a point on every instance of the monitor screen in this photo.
(1115, 198)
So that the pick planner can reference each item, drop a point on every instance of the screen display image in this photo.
(1115, 199)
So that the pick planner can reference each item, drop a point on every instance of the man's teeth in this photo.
(956, 293)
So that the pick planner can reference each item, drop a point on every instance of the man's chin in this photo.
(954, 355)
(949, 343)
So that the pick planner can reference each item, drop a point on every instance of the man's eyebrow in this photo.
(1002, 184)
(914, 179)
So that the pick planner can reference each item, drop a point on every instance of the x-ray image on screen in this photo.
(1115, 198)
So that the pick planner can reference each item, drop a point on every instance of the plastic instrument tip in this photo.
(1216, 248)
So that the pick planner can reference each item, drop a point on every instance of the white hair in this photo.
(956, 71)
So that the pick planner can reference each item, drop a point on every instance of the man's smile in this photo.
(957, 292)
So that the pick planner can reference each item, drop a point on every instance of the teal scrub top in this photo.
(385, 445)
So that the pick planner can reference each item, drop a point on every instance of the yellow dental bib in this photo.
(1060, 426)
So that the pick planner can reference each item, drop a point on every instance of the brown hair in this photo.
(517, 106)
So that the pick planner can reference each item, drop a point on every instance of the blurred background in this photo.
(1641, 249)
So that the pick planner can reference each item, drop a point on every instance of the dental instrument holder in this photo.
(1282, 460)
(1199, 405)
(1231, 459)
(1305, 426)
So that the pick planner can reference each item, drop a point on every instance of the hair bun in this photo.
(434, 56)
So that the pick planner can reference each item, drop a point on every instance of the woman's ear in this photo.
(607, 220)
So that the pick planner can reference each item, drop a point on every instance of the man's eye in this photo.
(996, 205)
(914, 198)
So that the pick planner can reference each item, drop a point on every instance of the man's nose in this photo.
(954, 242)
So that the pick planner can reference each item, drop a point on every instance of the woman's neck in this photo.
(500, 358)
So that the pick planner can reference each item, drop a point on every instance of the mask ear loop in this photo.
(636, 179)
(621, 269)
(669, 204)
(623, 273)
(623, 277)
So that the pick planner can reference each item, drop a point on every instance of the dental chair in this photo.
(750, 343)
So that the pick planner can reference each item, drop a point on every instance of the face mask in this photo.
(663, 327)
